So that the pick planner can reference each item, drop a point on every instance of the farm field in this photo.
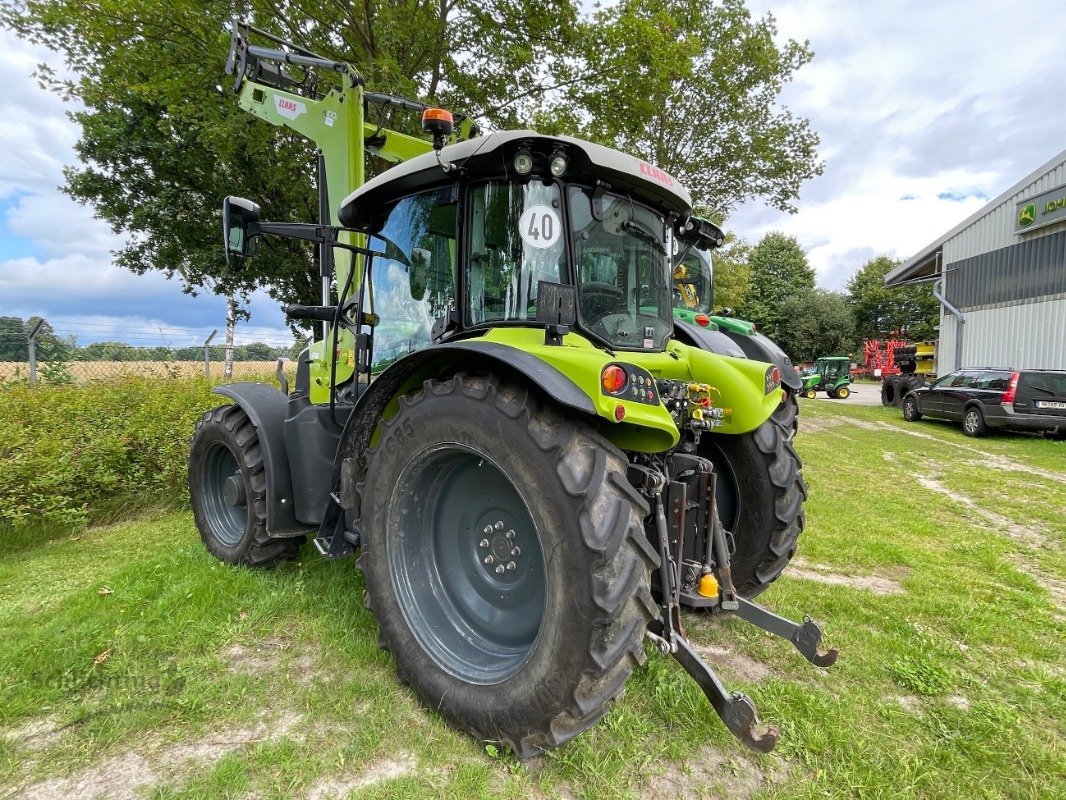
(83, 371)
(134, 665)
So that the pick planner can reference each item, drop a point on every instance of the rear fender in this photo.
(381, 397)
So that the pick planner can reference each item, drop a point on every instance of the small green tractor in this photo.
(831, 375)
(499, 416)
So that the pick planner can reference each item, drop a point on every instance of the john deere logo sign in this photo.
(1041, 210)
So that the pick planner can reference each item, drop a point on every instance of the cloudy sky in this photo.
(926, 110)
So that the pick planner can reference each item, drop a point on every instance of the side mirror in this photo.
(240, 224)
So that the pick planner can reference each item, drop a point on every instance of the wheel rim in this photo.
(971, 421)
(465, 559)
(225, 505)
(843, 393)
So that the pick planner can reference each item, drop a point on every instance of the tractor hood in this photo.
(492, 156)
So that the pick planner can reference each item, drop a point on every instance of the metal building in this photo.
(1001, 278)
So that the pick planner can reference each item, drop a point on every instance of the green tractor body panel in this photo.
(734, 325)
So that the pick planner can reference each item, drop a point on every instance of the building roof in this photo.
(925, 264)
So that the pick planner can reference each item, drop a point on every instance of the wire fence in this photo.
(39, 352)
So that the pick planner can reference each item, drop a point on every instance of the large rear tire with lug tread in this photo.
(505, 560)
(787, 415)
(760, 499)
(227, 490)
(888, 391)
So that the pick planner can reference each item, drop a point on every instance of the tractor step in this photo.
(334, 540)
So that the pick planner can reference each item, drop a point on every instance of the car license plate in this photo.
(1049, 404)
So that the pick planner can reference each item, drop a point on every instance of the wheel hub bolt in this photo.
(517, 551)
(499, 569)
(499, 525)
(489, 559)
(483, 543)
(510, 534)
(488, 529)
(511, 566)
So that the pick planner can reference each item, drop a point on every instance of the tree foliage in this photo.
(732, 275)
(908, 312)
(779, 271)
(690, 85)
(693, 87)
(820, 323)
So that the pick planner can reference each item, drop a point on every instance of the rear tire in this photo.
(787, 415)
(227, 489)
(810, 394)
(843, 393)
(910, 410)
(760, 500)
(529, 655)
(973, 422)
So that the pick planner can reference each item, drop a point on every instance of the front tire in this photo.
(843, 393)
(760, 499)
(910, 410)
(506, 561)
(227, 490)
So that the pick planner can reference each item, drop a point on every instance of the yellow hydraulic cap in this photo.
(708, 586)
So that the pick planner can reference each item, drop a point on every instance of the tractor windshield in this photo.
(620, 257)
(694, 280)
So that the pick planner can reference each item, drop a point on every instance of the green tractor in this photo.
(831, 375)
(497, 416)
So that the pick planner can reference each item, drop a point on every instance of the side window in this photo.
(413, 281)
(993, 380)
(965, 380)
(946, 381)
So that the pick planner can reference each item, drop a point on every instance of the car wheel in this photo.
(973, 422)
(910, 410)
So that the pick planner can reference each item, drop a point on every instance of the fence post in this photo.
(207, 353)
(32, 346)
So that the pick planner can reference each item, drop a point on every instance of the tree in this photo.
(779, 271)
(732, 275)
(909, 312)
(688, 85)
(693, 88)
(820, 323)
(12, 339)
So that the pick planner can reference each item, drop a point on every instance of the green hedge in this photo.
(69, 455)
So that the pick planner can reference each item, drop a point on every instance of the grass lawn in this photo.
(133, 665)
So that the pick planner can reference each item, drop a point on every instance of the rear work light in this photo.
(1012, 390)
(614, 379)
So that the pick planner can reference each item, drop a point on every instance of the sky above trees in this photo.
(924, 115)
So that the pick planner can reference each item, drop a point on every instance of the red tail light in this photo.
(703, 320)
(1012, 390)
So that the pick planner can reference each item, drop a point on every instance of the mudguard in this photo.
(439, 360)
(739, 344)
(267, 408)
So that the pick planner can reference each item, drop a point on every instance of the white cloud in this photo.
(919, 100)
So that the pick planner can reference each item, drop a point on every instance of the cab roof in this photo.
(492, 156)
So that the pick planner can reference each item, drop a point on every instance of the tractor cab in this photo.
(519, 230)
(830, 374)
